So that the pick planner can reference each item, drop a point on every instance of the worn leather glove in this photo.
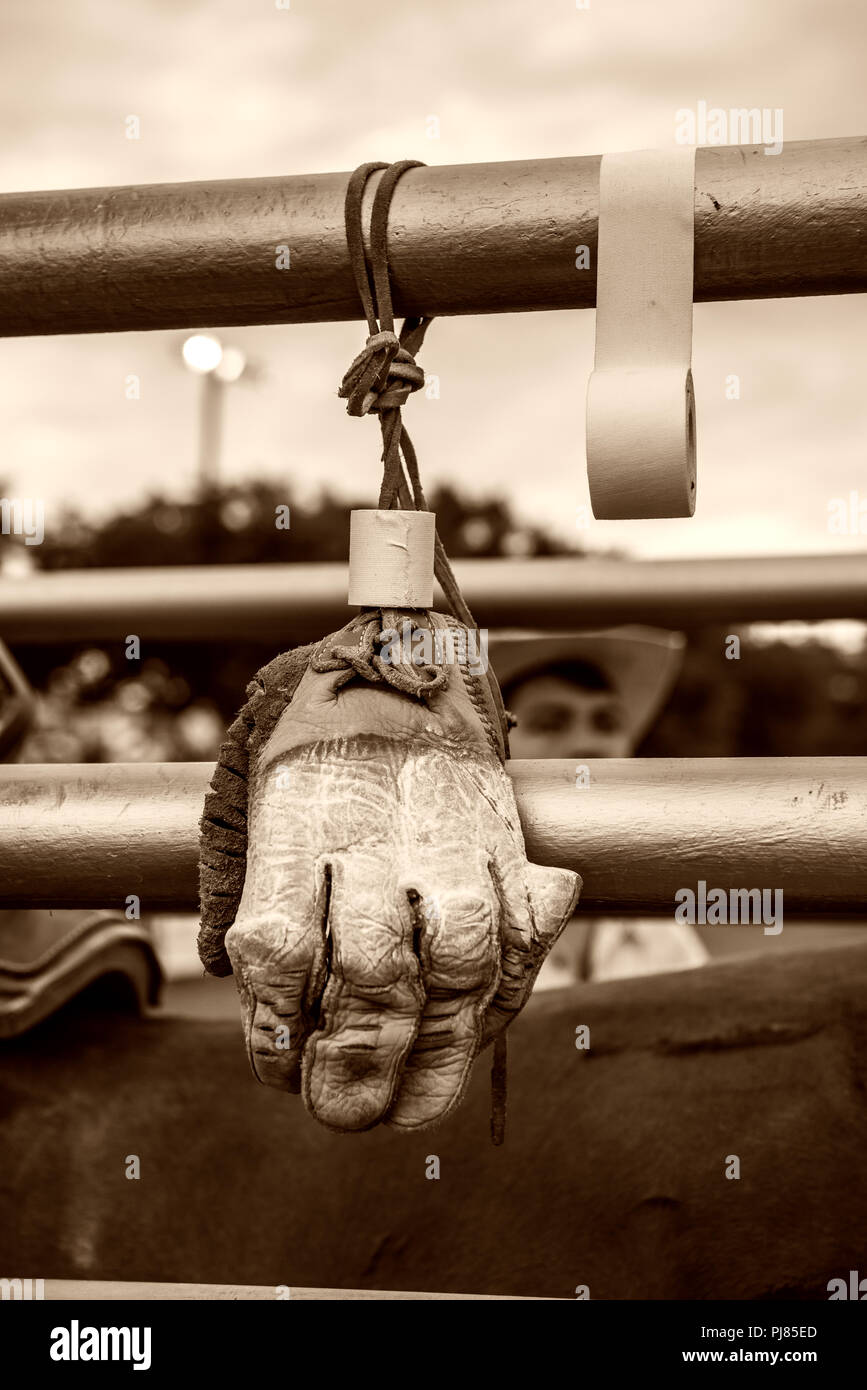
(390, 925)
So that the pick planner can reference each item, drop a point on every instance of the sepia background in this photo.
(225, 89)
(229, 88)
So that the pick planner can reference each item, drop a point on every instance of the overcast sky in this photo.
(239, 88)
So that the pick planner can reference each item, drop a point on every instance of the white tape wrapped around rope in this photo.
(641, 438)
(391, 559)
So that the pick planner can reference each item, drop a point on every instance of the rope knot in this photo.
(381, 377)
(377, 652)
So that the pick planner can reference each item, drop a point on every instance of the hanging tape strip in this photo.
(391, 559)
(640, 402)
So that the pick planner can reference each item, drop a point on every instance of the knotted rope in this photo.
(364, 657)
(380, 380)
(385, 373)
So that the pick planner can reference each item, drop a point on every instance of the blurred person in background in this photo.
(583, 696)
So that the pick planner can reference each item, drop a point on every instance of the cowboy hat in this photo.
(641, 663)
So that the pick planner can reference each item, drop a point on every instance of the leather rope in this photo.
(380, 380)
(384, 374)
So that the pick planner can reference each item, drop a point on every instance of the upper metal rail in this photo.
(286, 603)
(463, 239)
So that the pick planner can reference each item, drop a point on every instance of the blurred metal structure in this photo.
(463, 239)
(283, 604)
(91, 835)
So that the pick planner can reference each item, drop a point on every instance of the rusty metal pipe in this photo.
(91, 835)
(292, 603)
(464, 239)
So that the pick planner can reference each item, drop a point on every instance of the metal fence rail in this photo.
(76, 1290)
(286, 603)
(91, 835)
(463, 239)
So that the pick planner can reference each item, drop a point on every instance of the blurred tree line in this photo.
(803, 697)
(787, 698)
(238, 525)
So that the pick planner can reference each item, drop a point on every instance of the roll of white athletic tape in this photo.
(391, 559)
(641, 436)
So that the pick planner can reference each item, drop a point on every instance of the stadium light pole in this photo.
(218, 367)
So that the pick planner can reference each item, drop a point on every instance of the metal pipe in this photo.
(78, 1290)
(91, 835)
(211, 408)
(464, 239)
(292, 603)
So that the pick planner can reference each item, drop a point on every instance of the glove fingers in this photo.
(372, 1002)
(277, 950)
(458, 912)
(537, 903)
